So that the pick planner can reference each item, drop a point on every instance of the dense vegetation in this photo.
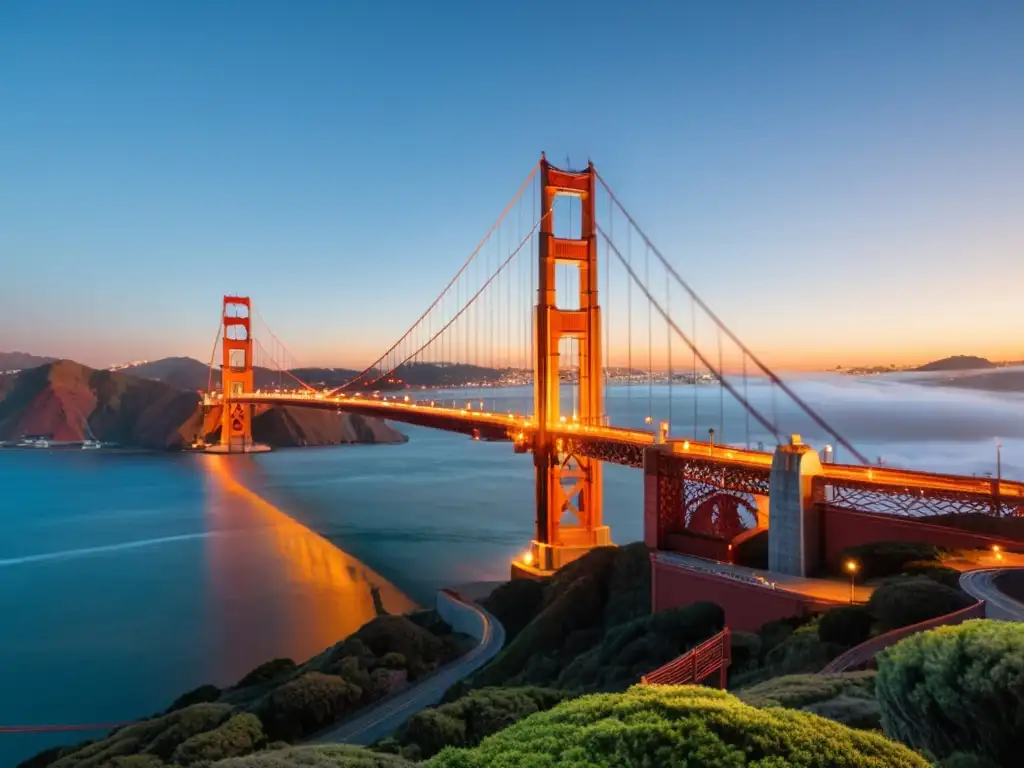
(957, 690)
(278, 702)
(686, 725)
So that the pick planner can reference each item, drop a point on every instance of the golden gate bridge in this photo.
(555, 292)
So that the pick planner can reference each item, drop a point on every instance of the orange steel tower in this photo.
(568, 486)
(236, 373)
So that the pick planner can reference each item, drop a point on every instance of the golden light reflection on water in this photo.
(277, 588)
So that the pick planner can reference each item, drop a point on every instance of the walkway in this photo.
(824, 589)
(384, 717)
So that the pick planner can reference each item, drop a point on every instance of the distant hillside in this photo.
(58, 399)
(70, 402)
(188, 373)
(17, 361)
(957, 363)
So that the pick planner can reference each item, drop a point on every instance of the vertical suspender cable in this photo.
(668, 336)
(693, 335)
(650, 337)
(747, 398)
(721, 395)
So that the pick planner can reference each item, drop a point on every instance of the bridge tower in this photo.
(568, 487)
(236, 374)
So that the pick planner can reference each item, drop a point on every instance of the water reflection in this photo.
(276, 588)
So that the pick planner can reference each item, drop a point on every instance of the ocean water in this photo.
(127, 578)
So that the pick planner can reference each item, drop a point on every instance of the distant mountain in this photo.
(180, 372)
(69, 402)
(188, 373)
(19, 361)
(957, 363)
(1001, 380)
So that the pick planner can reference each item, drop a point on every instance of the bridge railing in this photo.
(696, 665)
(861, 655)
(920, 495)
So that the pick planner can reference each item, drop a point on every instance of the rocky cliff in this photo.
(70, 402)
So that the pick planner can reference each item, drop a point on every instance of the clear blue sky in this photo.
(837, 179)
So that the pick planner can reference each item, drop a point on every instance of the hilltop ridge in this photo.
(70, 402)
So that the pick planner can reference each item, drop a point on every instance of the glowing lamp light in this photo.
(407, 398)
(528, 558)
(851, 566)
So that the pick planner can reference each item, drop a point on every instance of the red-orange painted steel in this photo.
(236, 372)
(697, 664)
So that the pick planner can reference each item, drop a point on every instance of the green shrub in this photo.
(878, 559)
(847, 625)
(745, 649)
(803, 651)
(847, 698)
(306, 704)
(467, 721)
(188, 722)
(515, 604)
(393, 661)
(913, 600)
(201, 695)
(967, 760)
(957, 689)
(240, 735)
(267, 672)
(678, 726)
(326, 756)
(631, 650)
(949, 577)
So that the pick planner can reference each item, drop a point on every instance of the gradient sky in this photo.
(842, 182)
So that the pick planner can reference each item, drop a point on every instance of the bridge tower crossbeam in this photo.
(236, 374)
(568, 487)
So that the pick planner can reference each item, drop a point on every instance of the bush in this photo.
(957, 689)
(847, 625)
(847, 698)
(745, 649)
(678, 725)
(267, 672)
(913, 600)
(240, 735)
(878, 559)
(515, 604)
(949, 577)
(306, 704)
(189, 722)
(631, 650)
(326, 756)
(467, 721)
(201, 695)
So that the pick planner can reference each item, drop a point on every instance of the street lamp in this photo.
(828, 454)
(999, 461)
(851, 567)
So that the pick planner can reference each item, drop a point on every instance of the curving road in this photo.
(982, 585)
(383, 718)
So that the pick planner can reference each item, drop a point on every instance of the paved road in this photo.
(383, 718)
(982, 585)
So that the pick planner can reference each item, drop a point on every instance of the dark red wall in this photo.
(746, 606)
(843, 528)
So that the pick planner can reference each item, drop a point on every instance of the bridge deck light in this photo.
(528, 558)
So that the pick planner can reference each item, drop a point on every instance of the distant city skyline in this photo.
(843, 184)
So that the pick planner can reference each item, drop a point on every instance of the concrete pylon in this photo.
(794, 522)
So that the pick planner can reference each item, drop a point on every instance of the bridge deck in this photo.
(623, 446)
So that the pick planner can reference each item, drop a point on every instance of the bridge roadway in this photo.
(620, 445)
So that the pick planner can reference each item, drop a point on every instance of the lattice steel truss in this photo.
(603, 449)
(913, 502)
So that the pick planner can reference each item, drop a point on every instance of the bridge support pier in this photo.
(236, 375)
(794, 521)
